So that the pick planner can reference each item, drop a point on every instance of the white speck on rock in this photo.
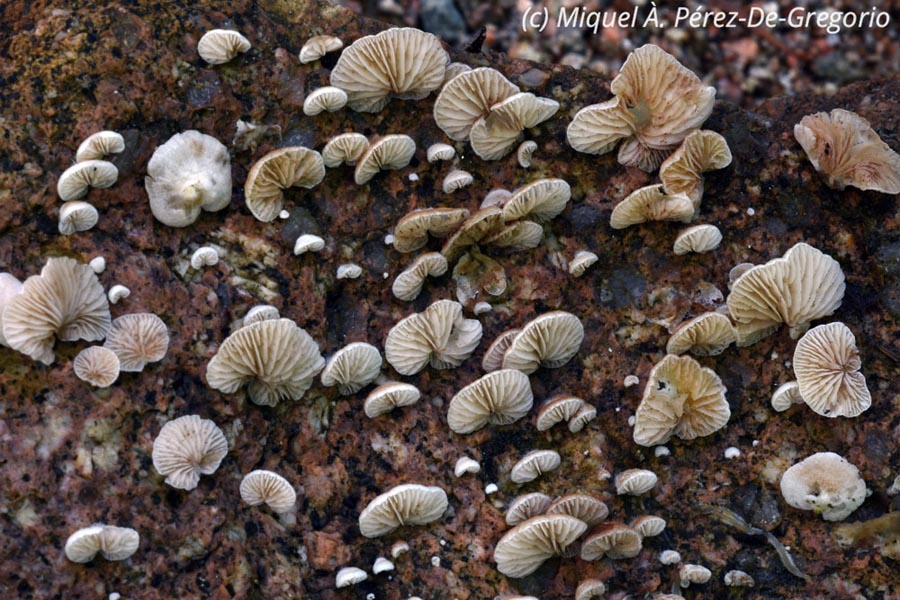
(491, 488)
(732, 452)
(661, 451)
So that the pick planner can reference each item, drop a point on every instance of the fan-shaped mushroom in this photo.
(407, 504)
(613, 540)
(352, 368)
(388, 396)
(651, 203)
(344, 148)
(324, 99)
(98, 145)
(702, 150)
(499, 398)
(409, 283)
(699, 239)
(411, 232)
(97, 365)
(186, 448)
(527, 545)
(293, 166)
(526, 506)
(318, 46)
(439, 335)
(75, 181)
(469, 97)
(114, 543)
(389, 152)
(826, 483)
(219, 46)
(826, 364)
(260, 486)
(137, 339)
(705, 335)
(534, 464)
(550, 340)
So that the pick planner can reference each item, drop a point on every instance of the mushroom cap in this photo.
(844, 148)
(534, 464)
(498, 398)
(456, 179)
(349, 271)
(318, 46)
(469, 97)
(480, 226)
(262, 312)
(308, 243)
(496, 197)
(137, 339)
(580, 263)
(803, 285)
(493, 135)
(76, 215)
(493, 356)
(476, 274)
(382, 565)
(689, 574)
(406, 504)
(98, 145)
(454, 69)
(613, 540)
(411, 232)
(187, 447)
(705, 335)
(388, 396)
(787, 395)
(117, 292)
(114, 543)
(347, 576)
(525, 152)
(401, 63)
(651, 203)
(550, 340)
(596, 129)
(440, 151)
(219, 46)
(324, 99)
(204, 256)
(97, 365)
(352, 368)
(262, 486)
(66, 300)
(293, 166)
(344, 148)
(581, 506)
(649, 525)
(585, 415)
(276, 359)
(590, 589)
(826, 364)
(77, 179)
(517, 236)
(681, 398)
(189, 173)
(9, 287)
(439, 335)
(527, 506)
(464, 465)
(826, 483)
(527, 545)
(409, 283)
(702, 150)
(539, 201)
(557, 409)
(699, 239)
(390, 152)
(635, 482)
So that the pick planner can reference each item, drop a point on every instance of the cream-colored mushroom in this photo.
(438, 152)
(550, 340)
(344, 148)
(97, 365)
(708, 334)
(390, 152)
(269, 488)
(534, 464)
(407, 504)
(826, 483)
(525, 152)
(651, 203)
(493, 356)
(411, 232)
(324, 99)
(99, 145)
(498, 398)
(495, 134)
(409, 283)
(527, 506)
(786, 395)
(613, 540)
(827, 366)
(348, 576)
(558, 409)
(517, 236)
(137, 339)
(219, 46)
(403, 63)
(701, 151)
(699, 239)
(439, 335)
(469, 97)
(635, 482)
(480, 226)
(308, 243)
(352, 368)
(388, 396)
(527, 545)
(539, 201)
(583, 507)
(456, 179)
(581, 261)
(76, 215)
(114, 543)
(75, 181)
(318, 46)
(186, 448)
(649, 525)
(293, 166)
(205, 256)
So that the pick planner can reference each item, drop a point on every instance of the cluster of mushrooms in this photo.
(654, 118)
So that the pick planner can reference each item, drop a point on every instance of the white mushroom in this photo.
(205, 256)
(219, 46)
(76, 215)
(77, 179)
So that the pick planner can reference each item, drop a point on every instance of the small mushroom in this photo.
(651, 203)
(493, 356)
(189, 173)
(407, 504)
(454, 69)
(437, 152)
(550, 340)
(117, 293)
(75, 181)
(388, 396)
(293, 166)
(681, 398)
(99, 145)
(539, 201)
(456, 179)
(258, 487)
(97, 365)
(649, 525)
(526, 506)
(827, 366)
(826, 483)
(494, 135)
(557, 409)
(480, 226)
(114, 543)
(411, 232)
(580, 263)
(469, 97)
(706, 335)
(516, 237)
(689, 574)
(324, 99)
(498, 398)
(137, 339)
(408, 284)
(702, 150)
(698, 239)
(403, 63)
(308, 243)
(348, 576)
(186, 448)
(787, 395)
(534, 464)
(589, 589)
(466, 465)
(348, 271)
(346, 148)
(524, 153)
(219, 46)
(76, 215)
(527, 545)
(439, 335)
(844, 148)
(318, 46)
(275, 359)
(585, 415)
(352, 368)
(382, 565)
(581, 506)
(738, 578)
(613, 540)
(205, 256)
(635, 482)
(390, 152)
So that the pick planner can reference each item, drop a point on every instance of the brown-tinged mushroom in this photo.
(439, 151)
(352, 368)
(76, 215)
(469, 97)
(698, 239)
(186, 448)
(409, 283)
(550, 340)
(827, 366)
(406, 504)
(137, 339)
(613, 540)
(557, 409)
(635, 482)
(651, 203)
(527, 545)
(390, 152)
(293, 166)
(705, 335)
(517, 236)
(219, 46)
(527, 506)
(346, 148)
(456, 179)
(498, 398)
(411, 232)
(701, 151)
(439, 335)
(260, 486)
(539, 201)
(493, 356)
(97, 365)
(581, 506)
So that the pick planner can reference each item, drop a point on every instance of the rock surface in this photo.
(73, 456)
